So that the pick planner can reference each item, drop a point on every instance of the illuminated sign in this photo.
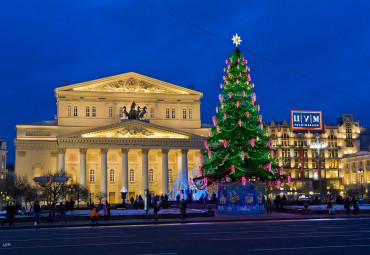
(306, 120)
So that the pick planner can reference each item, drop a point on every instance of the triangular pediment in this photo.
(131, 129)
(129, 83)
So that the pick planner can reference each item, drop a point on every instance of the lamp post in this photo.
(319, 146)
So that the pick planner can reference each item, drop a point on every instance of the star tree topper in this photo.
(236, 40)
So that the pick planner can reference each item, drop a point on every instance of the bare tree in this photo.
(78, 192)
(100, 196)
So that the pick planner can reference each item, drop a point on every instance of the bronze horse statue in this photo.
(134, 114)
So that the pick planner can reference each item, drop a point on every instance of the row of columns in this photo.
(125, 182)
(357, 173)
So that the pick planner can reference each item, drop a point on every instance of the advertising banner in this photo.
(240, 199)
(306, 120)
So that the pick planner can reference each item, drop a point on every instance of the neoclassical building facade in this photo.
(97, 143)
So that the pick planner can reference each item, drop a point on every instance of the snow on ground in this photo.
(324, 207)
(119, 212)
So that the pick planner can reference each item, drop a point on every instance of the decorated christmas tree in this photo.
(239, 148)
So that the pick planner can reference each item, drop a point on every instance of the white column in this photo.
(350, 172)
(364, 165)
(145, 181)
(357, 181)
(61, 160)
(165, 171)
(125, 169)
(184, 168)
(83, 166)
(103, 173)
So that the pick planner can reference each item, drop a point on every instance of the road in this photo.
(329, 236)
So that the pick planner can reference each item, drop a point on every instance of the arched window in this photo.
(37, 172)
(87, 111)
(69, 110)
(111, 175)
(92, 175)
(167, 113)
(93, 111)
(152, 112)
(132, 175)
(173, 113)
(75, 111)
(184, 113)
(190, 113)
(73, 172)
(151, 175)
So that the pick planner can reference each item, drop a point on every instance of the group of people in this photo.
(348, 203)
(11, 211)
(94, 213)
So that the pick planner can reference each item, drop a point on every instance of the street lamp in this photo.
(319, 146)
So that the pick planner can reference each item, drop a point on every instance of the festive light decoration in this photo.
(236, 40)
(239, 145)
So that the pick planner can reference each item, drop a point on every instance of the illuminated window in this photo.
(111, 175)
(170, 176)
(184, 113)
(167, 113)
(87, 111)
(151, 175)
(75, 111)
(152, 112)
(190, 113)
(69, 110)
(93, 111)
(333, 163)
(132, 175)
(110, 109)
(92, 175)
(173, 113)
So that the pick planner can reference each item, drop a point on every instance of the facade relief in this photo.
(130, 85)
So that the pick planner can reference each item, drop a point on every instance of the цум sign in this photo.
(306, 120)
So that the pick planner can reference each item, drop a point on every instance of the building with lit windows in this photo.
(96, 143)
(3, 152)
(343, 141)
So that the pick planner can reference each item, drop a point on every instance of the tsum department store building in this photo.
(344, 163)
(95, 144)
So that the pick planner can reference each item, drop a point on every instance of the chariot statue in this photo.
(134, 114)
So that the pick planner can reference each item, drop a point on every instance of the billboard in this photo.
(306, 120)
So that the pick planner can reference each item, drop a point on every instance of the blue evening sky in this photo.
(304, 55)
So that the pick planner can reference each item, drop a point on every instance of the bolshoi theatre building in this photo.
(127, 130)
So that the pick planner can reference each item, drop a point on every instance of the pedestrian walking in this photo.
(330, 207)
(62, 212)
(157, 208)
(347, 205)
(355, 205)
(94, 215)
(7, 216)
(268, 205)
(106, 210)
(37, 211)
(183, 209)
(178, 199)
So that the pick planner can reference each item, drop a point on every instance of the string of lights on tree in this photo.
(239, 148)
